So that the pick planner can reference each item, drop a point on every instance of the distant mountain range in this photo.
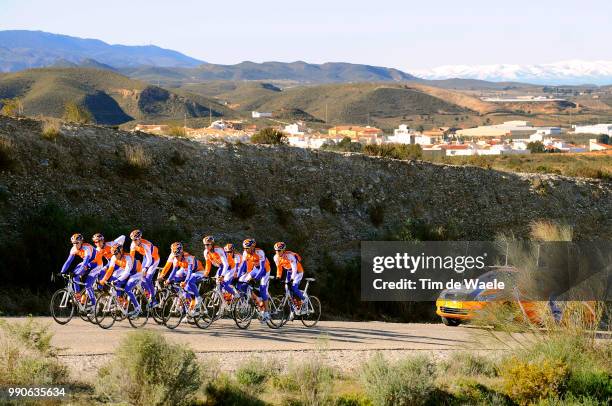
(573, 72)
(22, 49)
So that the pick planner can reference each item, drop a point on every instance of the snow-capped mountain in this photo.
(573, 72)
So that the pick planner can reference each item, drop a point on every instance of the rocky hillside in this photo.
(321, 201)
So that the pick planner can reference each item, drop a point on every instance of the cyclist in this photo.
(125, 272)
(292, 263)
(101, 260)
(150, 261)
(234, 259)
(87, 253)
(255, 266)
(183, 265)
(214, 255)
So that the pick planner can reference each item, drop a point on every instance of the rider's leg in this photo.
(148, 283)
(243, 282)
(295, 285)
(92, 277)
(263, 290)
(79, 272)
(192, 287)
(132, 282)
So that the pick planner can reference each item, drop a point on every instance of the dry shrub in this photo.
(136, 161)
(177, 131)
(527, 382)
(549, 231)
(147, 370)
(27, 357)
(51, 129)
(7, 150)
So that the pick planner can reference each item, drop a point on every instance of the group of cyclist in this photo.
(107, 262)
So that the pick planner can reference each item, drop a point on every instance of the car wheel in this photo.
(450, 322)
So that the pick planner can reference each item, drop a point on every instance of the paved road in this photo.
(82, 338)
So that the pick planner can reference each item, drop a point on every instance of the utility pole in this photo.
(325, 113)
(185, 124)
(209, 115)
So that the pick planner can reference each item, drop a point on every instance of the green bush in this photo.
(243, 205)
(469, 364)
(352, 399)
(269, 136)
(147, 370)
(328, 204)
(76, 113)
(223, 391)
(255, 372)
(311, 380)
(177, 158)
(423, 230)
(377, 214)
(27, 357)
(395, 151)
(346, 145)
(407, 382)
(535, 147)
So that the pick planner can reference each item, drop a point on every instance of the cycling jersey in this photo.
(289, 261)
(124, 266)
(87, 252)
(216, 256)
(148, 251)
(103, 254)
(181, 267)
(234, 260)
(256, 259)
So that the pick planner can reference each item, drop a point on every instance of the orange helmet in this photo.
(229, 248)
(116, 249)
(76, 238)
(248, 243)
(209, 239)
(176, 248)
(136, 234)
(280, 246)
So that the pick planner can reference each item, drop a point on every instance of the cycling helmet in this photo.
(229, 248)
(176, 248)
(97, 237)
(248, 243)
(209, 239)
(76, 238)
(280, 246)
(136, 234)
(116, 249)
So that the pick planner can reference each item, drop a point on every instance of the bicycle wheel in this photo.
(138, 319)
(174, 311)
(312, 307)
(275, 308)
(62, 306)
(106, 312)
(157, 312)
(243, 312)
(283, 307)
(207, 311)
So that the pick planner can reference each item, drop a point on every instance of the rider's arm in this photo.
(166, 267)
(69, 260)
(224, 262)
(279, 268)
(208, 266)
(109, 270)
(148, 258)
(294, 264)
(190, 266)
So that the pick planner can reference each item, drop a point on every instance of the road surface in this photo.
(82, 338)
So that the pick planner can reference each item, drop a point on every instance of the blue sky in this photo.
(401, 34)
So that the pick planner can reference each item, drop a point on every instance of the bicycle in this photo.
(110, 308)
(176, 308)
(162, 293)
(64, 302)
(309, 312)
(245, 308)
(215, 302)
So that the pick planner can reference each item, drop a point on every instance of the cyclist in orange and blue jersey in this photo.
(292, 264)
(87, 253)
(185, 267)
(125, 271)
(215, 256)
(101, 260)
(150, 261)
(234, 259)
(255, 266)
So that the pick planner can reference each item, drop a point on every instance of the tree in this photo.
(420, 128)
(346, 145)
(535, 147)
(11, 107)
(76, 113)
(270, 136)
